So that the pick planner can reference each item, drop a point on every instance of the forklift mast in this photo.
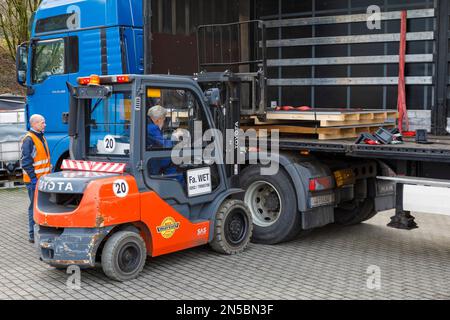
(221, 51)
(226, 112)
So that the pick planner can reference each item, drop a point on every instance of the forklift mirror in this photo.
(213, 97)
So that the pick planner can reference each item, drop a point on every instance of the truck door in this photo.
(52, 62)
(178, 170)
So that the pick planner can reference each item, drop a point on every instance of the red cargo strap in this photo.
(401, 101)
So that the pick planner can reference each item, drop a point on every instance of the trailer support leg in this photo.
(402, 219)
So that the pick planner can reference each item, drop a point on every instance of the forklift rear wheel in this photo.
(123, 256)
(233, 227)
(355, 212)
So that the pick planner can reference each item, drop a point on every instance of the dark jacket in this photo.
(28, 153)
(155, 137)
(156, 140)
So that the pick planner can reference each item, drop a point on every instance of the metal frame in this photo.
(335, 11)
(202, 30)
(348, 81)
(385, 59)
(439, 112)
(372, 38)
(255, 78)
(393, 15)
(392, 152)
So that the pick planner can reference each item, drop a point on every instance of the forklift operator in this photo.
(155, 137)
(156, 140)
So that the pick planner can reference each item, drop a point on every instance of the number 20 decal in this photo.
(109, 143)
(120, 188)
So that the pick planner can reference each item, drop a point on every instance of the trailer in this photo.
(371, 183)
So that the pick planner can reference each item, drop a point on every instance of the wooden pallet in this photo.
(329, 133)
(333, 118)
(323, 123)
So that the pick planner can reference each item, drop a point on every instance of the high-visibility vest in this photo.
(41, 164)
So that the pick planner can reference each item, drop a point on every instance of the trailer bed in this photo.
(439, 151)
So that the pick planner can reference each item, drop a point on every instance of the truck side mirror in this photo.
(21, 63)
(213, 97)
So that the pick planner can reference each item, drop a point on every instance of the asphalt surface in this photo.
(367, 261)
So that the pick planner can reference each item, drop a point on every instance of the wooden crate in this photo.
(332, 118)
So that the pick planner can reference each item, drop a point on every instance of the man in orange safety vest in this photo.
(35, 162)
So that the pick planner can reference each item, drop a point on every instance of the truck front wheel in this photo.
(123, 256)
(273, 204)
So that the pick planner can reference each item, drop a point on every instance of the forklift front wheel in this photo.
(233, 227)
(123, 256)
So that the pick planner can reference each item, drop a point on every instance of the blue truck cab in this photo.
(70, 39)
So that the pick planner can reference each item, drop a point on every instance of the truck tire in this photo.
(273, 204)
(123, 256)
(371, 215)
(355, 212)
(232, 228)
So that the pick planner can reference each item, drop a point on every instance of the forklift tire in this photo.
(233, 227)
(273, 204)
(355, 212)
(123, 256)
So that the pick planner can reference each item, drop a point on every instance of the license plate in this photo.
(322, 200)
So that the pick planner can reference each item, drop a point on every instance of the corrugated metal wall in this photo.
(324, 43)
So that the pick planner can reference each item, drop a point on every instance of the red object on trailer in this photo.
(371, 142)
(284, 108)
(409, 134)
(401, 101)
(291, 108)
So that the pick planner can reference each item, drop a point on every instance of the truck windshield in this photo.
(48, 59)
(108, 125)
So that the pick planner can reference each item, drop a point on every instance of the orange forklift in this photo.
(123, 196)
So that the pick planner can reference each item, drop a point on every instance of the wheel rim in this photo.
(236, 226)
(129, 258)
(264, 202)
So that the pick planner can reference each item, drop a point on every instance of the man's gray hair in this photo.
(157, 112)
(36, 118)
